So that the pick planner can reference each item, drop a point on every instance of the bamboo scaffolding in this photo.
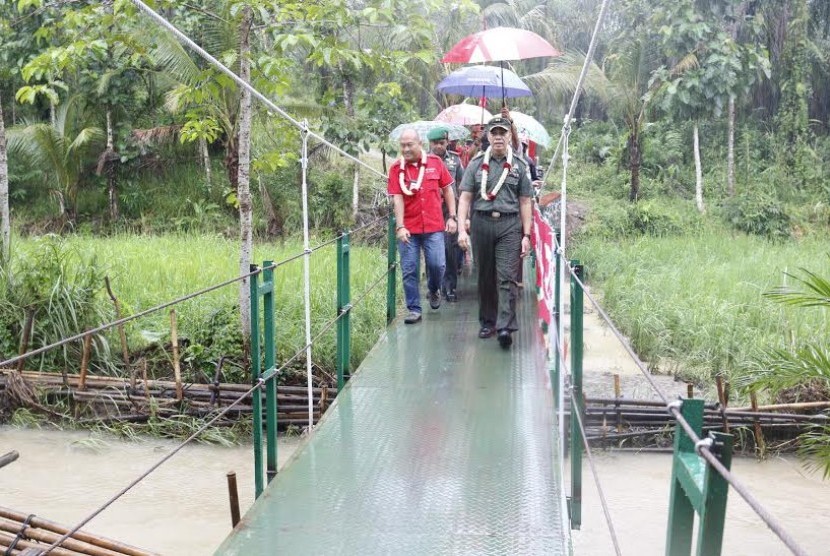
(45, 531)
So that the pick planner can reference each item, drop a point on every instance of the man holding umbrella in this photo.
(417, 182)
(497, 189)
(438, 139)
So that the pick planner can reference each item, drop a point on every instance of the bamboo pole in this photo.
(174, 339)
(617, 391)
(55, 527)
(48, 537)
(84, 363)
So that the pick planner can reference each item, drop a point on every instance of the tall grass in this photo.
(148, 270)
(692, 303)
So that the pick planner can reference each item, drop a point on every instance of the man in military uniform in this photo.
(497, 189)
(438, 139)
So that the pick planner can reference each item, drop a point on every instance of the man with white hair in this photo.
(417, 182)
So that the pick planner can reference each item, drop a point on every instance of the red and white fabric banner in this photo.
(545, 266)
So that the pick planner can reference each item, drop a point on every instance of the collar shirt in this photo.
(517, 184)
(422, 210)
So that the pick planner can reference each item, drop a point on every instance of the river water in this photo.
(182, 508)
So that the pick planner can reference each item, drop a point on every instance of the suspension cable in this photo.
(152, 468)
(245, 85)
(575, 412)
(589, 57)
(704, 450)
(258, 385)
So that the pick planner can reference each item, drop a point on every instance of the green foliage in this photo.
(758, 214)
(692, 303)
(62, 289)
(214, 335)
(647, 218)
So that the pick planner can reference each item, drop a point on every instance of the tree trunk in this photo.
(730, 152)
(5, 227)
(203, 150)
(243, 184)
(634, 158)
(356, 192)
(698, 171)
(112, 187)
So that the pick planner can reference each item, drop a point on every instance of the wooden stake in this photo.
(690, 390)
(617, 391)
(144, 376)
(174, 339)
(27, 332)
(125, 351)
(8, 458)
(84, 362)
(760, 443)
(233, 497)
(723, 402)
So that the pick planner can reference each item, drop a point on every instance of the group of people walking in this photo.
(444, 210)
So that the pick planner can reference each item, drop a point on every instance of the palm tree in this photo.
(4, 188)
(62, 149)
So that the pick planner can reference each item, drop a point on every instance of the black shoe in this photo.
(434, 300)
(412, 318)
(452, 298)
(505, 339)
(486, 332)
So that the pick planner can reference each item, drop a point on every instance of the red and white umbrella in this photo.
(463, 114)
(499, 44)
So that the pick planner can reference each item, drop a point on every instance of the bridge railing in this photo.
(701, 474)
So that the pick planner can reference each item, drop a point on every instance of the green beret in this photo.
(438, 134)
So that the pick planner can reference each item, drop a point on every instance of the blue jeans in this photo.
(433, 246)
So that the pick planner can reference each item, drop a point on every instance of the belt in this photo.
(496, 214)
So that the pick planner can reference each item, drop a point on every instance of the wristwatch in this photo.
(527, 236)
(454, 217)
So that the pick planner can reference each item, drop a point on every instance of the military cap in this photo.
(438, 134)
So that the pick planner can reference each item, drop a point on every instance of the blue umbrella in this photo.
(484, 81)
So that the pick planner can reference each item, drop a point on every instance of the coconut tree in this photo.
(5, 229)
(62, 149)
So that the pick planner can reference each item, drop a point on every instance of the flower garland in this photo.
(402, 175)
(485, 169)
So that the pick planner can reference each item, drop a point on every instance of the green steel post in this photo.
(270, 364)
(555, 322)
(576, 388)
(344, 328)
(391, 283)
(256, 395)
(697, 487)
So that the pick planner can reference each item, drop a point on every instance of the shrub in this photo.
(757, 214)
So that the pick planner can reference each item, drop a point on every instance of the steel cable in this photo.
(262, 382)
(575, 412)
(704, 451)
(245, 85)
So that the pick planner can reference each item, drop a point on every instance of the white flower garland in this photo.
(485, 169)
(402, 175)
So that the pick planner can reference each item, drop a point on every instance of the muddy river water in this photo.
(182, 508)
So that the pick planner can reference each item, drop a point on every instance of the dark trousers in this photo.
(497, 249)
(453, 254)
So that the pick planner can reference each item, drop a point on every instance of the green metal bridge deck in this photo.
(441, 443)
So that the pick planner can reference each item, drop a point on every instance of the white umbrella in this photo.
(423, 127)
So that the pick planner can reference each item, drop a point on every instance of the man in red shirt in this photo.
(417, 181)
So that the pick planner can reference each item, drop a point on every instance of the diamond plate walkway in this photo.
(441, 443)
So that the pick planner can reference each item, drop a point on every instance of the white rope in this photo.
(589, 57)
(218, 65)
(307, 276)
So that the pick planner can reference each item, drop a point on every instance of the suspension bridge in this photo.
(442, 443)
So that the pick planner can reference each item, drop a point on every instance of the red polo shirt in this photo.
(422, 210)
